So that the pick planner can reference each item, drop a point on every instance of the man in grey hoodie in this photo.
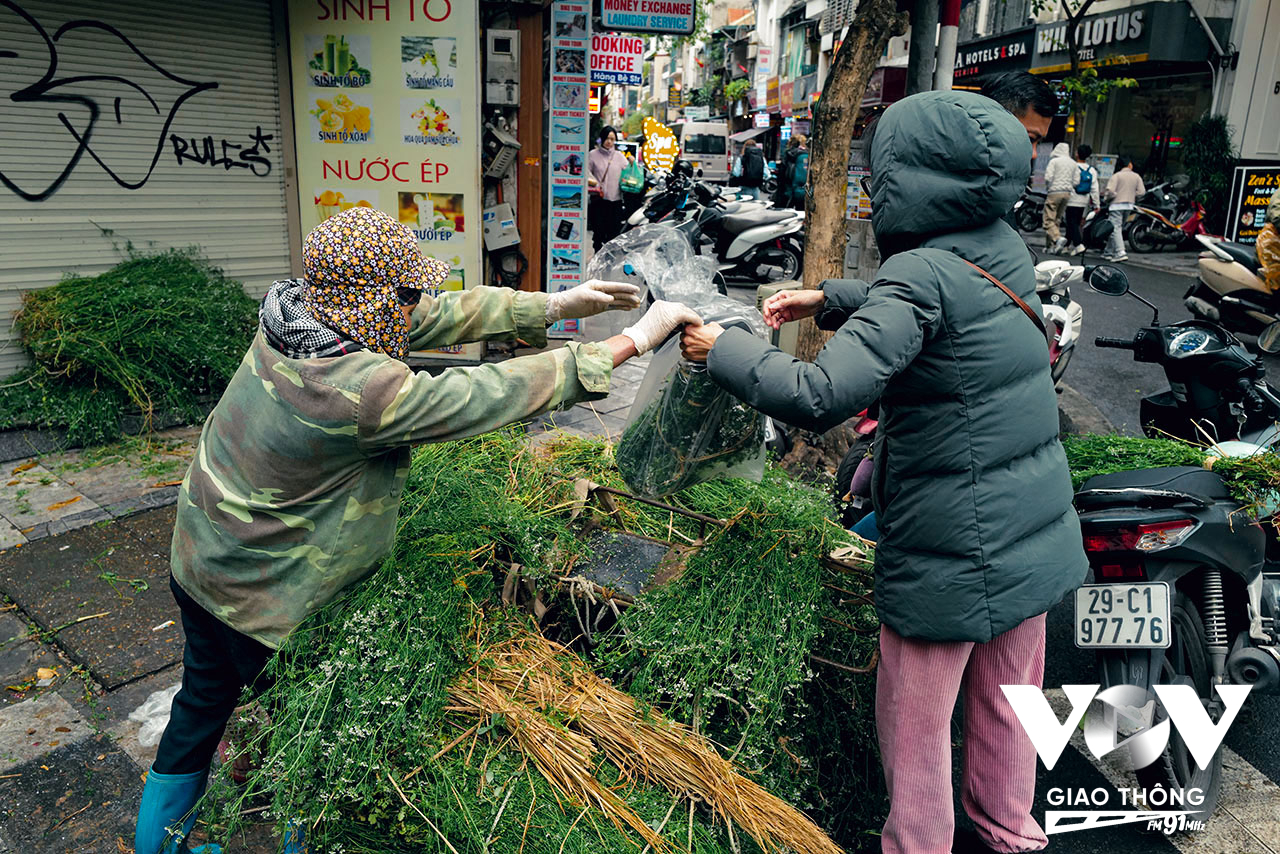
(1059, 182)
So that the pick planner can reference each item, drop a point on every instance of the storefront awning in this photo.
(744, 135)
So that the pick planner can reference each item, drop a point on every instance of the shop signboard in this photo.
(761, 120)
(674, 98)
(380, 110)
(784, 97)
(772, 97)
(800, 91)
(887, 84)
(1155, 32)
(617, 58)
(660, 145)
(764, 70)
(669, 17)
(1251, 190)
(568, 145)
(698, 113)
(996, 55)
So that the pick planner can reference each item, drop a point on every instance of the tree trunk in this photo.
(1077, 102)
(834, 118)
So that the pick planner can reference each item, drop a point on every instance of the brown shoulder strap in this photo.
(1030, 312)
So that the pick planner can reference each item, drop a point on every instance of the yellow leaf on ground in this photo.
(24, 467)
(46, 673)
(60, 504)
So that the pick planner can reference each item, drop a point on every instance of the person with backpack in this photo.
(749, 170)
(1084, 195)
(1060, 177)
(793, 175)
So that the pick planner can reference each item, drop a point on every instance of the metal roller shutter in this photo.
(178, 105)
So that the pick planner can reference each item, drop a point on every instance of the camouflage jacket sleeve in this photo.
(479, 314)
(398, 406)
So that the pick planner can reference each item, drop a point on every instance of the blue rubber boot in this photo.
(295, 839)
(168, 801)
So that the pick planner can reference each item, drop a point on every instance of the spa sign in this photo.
(384, 110)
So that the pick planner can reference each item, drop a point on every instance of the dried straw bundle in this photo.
(530, 672)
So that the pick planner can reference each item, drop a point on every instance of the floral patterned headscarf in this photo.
(357, 264)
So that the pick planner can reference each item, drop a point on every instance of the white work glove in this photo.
(662, 319)
(590, 298)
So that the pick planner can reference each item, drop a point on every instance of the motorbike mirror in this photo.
(1108, 280)
(1269, 339)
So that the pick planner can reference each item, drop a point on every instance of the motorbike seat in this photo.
(738, 223)
(1189, 480)
(1241, 254)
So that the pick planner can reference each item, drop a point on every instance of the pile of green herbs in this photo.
(360, 691)
(159, 332)
(1253, 481)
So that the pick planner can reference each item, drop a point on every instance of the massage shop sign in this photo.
(384, 102)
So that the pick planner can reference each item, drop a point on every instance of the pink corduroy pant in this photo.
(917, 683)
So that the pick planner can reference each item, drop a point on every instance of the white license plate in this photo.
(1122, 616)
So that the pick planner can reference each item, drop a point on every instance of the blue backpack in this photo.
(1085, 184)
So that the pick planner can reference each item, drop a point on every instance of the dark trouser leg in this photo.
(217, 664)
(1074, 236)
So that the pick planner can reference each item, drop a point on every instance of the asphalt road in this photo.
(1110, 378)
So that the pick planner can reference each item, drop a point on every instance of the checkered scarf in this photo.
(293, 330)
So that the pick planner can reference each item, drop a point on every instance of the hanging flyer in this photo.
(378, 104)
(568, 146)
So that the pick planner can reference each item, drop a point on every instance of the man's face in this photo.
(1037, 126)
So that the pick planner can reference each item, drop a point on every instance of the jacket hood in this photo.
(1062, 150)
(942, 162)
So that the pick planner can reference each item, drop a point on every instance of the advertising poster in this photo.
(378, 104)
(568, 146)
(1251, 191)
(857, 204)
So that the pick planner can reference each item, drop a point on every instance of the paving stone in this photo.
(32, 728)
(109, 570)
(154, 528)
(79, 798)
(20, 657)
(36, 495)
(10, 536)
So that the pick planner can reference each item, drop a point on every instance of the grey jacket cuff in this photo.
(843, 298)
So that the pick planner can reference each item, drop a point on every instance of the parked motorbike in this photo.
(1062, 314)
(1096, 227)
(752, 241)
(1164, 197)
(1149, 229)
(1185, 584)
(1229, 289)
(1028, 211)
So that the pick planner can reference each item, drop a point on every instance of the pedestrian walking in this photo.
(604, 174)
(978, 538)
(1124, 189)
(295, 488)
(749, 170)
(1085, 195)
(1060, 178)
(793, 174)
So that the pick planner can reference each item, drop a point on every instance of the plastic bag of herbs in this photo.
(684, 429)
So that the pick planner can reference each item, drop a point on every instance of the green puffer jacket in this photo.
(295, 487)
(971, 488)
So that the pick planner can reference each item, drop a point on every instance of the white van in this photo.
(706, 145)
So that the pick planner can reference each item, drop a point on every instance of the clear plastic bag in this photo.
(683, 428)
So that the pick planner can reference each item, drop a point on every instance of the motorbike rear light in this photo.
(1125, 567)
(1152, 537)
